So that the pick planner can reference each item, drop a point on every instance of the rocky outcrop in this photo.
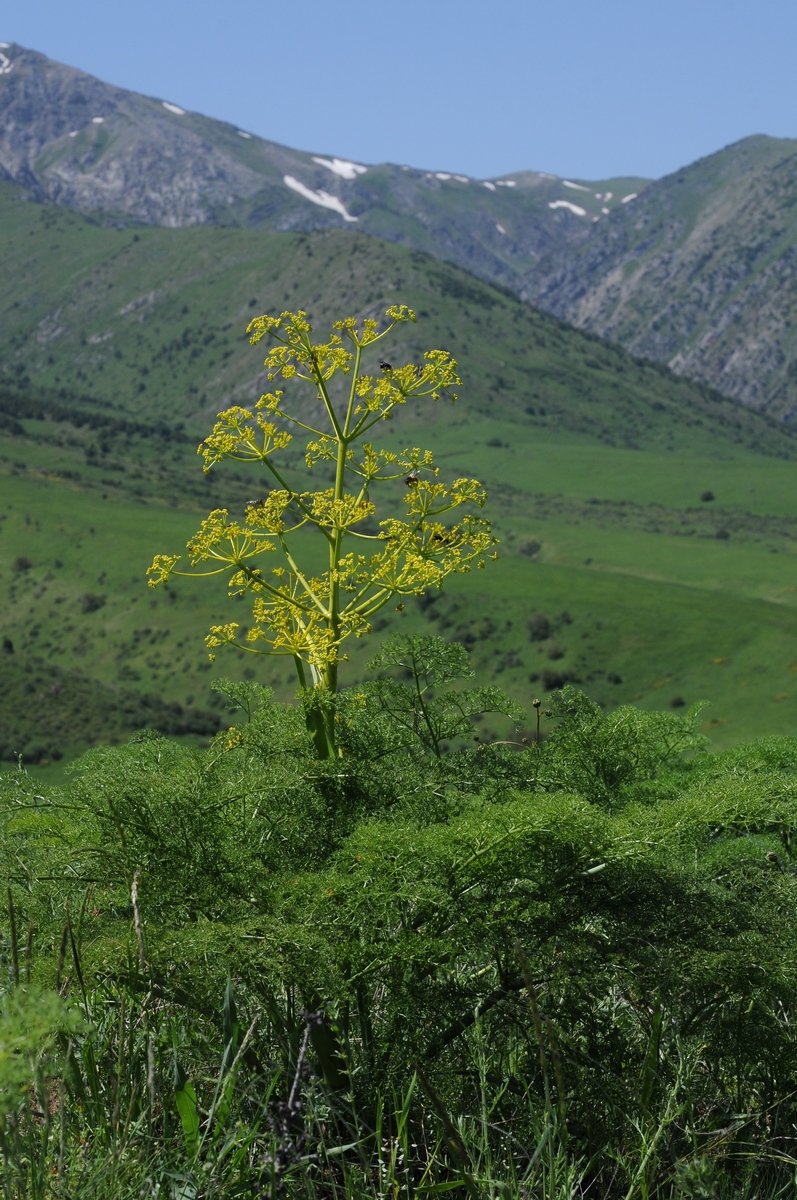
(700, 272)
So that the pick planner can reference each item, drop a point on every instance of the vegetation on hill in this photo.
(48, 713)
(153, 324)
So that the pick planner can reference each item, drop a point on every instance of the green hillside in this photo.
(152, 325)
(118, 348)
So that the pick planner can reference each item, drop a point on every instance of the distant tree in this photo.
(295, 612)
(539, 627)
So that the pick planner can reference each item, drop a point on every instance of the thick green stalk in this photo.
(320, 724)
(331, 672)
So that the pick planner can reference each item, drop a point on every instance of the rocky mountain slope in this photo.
(696, 270)
(70, 139)
(700, 272)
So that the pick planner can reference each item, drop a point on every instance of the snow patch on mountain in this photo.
(324, 199)
(341, 166)
(573, 208)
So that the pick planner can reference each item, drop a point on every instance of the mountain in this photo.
(72, 140)
(700, 272)
(696, 270)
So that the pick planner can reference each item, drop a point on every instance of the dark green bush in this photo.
(589, 936)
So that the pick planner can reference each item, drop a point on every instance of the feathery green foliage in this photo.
(430, 964)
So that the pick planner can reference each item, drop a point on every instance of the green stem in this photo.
(331, 671)
(425, 712)
(355, 375)
(300, 672)
(318, 718)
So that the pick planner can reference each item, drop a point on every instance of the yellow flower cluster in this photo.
(238, 434)
(310, 616)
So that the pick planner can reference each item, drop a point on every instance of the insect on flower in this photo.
(412, 479)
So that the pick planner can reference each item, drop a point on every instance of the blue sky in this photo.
(576, 87)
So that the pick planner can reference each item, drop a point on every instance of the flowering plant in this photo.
(309, 616)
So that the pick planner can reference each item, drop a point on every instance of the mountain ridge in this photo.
(697, 270)
(157, 322)
(71, 139)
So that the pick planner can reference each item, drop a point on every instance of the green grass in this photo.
(535, 462)
(635, 640)
(78, 545)
(653, 609)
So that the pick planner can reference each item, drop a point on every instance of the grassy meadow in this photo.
(661, 610)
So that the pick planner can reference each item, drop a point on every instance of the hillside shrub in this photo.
(539, 627)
